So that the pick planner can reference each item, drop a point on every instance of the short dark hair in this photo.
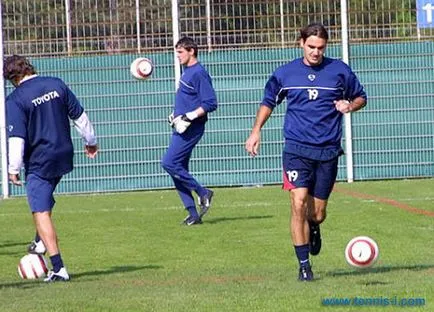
(188, 44)
(314, 29)
(17, 66)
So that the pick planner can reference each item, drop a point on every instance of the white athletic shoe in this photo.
(37, 248)
(61, 276)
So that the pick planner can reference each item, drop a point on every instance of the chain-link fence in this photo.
(72, 27)
(90, 45)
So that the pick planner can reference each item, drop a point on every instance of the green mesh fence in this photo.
(393, 136)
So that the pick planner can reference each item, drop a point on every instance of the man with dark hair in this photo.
(39, 136)
(195, 98)
(318, 91)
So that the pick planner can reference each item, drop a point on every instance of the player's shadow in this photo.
(229, 219)
(13, 244)
(25, 284)
(6, 250)
(116, 269)
(381, 269)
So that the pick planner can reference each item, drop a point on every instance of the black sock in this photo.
(37, 237)
(302, 253)
(57, 262)
(312, 223)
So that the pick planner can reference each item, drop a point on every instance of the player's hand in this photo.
(181, 123)
(15, 179)
(170, 119)
(91, 150)
(343, 106)
(252, 143)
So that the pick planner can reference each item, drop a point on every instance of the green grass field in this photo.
(128, 252)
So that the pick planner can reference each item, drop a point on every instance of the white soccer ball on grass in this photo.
(361, 252)
(32, 266)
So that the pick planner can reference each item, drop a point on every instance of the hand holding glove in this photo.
(181, 123)
(170, 119)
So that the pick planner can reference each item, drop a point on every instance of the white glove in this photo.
(181, 123)
(170, 119)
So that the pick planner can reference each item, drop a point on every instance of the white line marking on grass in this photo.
(136, 209)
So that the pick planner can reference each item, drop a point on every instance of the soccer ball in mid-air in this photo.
(141, 68)
(361, 252)
(32, 266)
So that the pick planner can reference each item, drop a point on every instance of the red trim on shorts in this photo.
(287, 186)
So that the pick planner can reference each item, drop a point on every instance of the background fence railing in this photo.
(90, 44)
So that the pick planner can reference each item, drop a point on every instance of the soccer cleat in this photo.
(305, 274)
(190, 220)
(314, 239)
(61, 276)
(205, 203)
(37, 247)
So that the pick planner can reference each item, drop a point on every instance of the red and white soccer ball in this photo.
(32, 266)
(141, 68)
(361, 252)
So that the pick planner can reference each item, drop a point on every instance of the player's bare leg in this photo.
(47, 232)
(45, 228)
(317, 209)
(299, 228)
(317, 214)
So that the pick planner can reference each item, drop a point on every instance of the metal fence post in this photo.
(175, 30)
(4, 162)
(68, 26)
(348, 130)
(138, 25)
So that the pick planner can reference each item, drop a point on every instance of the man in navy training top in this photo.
(318, 91)
(39, 136)
(195, 98)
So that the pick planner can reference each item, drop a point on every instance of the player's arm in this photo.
(16, 153)
(84, 127)
(345, 106)
(273, 96)
(254, 140)
(17, 130)
(208, 104)
(354, 98)
(81, 122)
(207, 97)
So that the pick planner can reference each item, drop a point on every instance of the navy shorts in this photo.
(318, 176)
(40, 192)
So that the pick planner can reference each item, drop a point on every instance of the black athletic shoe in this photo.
(305, 274)
(205, 203)
(314, 239)
(189, 220)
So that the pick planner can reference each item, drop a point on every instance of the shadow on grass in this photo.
(10, 244)
(6, 251)
(381, 269)
(228, 219)
(13, 253)
(25, 284)
(116, 269)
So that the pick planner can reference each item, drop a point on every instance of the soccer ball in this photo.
(32, 266)
(141, 68)
(361, 252)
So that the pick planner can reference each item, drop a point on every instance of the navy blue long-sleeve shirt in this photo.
(312, 125)
(38, 111)
(195, 90)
